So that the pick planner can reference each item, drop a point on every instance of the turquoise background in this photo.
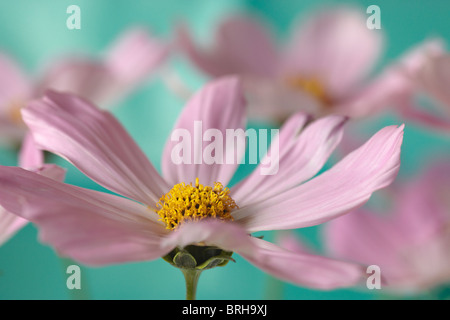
(34, 32)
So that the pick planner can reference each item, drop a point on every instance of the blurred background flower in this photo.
(320, 69)
(34, 35)
(409, 241)
(134, 57)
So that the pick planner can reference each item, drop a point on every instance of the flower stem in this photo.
(191, 277)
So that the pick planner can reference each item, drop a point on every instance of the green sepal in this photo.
(217, 261)
(198, 257)
(184, 260)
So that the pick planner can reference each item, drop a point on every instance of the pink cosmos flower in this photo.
(134, 56)
(320, 70)
(410, 243)
(187, 212)
(323, 69)
(30, 158)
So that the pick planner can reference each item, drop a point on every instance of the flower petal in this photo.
(288, 241)
(135, 55)
(302, 269)
(217, 109)
(225, 235)
(14, 84)
(421, 205)
(344, 187)
(9, 225)
(233, 51)
(300, 155)
(83, 77)
(96, 143)
(91, 227)
(375, 97)
(257, 57)
(30, 156)
(205, 61)
(396, 86)
(270, 99)
(131, 59)
(364, 237)
(431, 78)
(299, 268)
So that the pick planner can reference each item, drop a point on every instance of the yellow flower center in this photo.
(193, 203)
(311, 86)
(14, 114)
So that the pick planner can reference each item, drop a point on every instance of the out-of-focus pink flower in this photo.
(158, 214)
(410, 244)
(30, 158)
(132, 58)
(320, 70)
(135, 56)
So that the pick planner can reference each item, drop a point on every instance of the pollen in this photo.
(311, 86)
(193, 203)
